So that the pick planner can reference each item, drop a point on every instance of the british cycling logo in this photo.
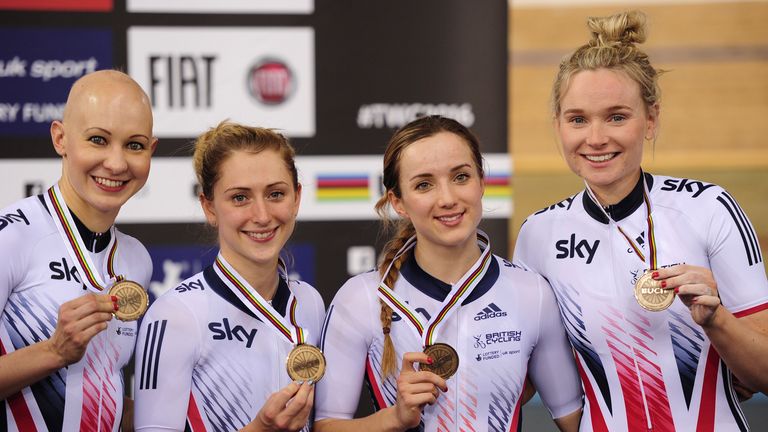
(490, 311)
(485, 340)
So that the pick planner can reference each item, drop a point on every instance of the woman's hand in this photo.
(286, 410)
(79, 321)
(415, 389)
(696, 288)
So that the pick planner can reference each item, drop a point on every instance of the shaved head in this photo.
(105, 84)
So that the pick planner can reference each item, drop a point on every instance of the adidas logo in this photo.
(490, 311)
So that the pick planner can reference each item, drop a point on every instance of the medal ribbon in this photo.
(652, 258)
(73, 242)
(290, 331)
(459, 292)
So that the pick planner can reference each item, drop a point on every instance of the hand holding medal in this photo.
(696, 287)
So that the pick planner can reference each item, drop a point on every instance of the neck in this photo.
(92, 218)
(261, 277)
(614, 193)
(447, 264)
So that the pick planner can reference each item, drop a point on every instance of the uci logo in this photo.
(570, 248)
(652, 291)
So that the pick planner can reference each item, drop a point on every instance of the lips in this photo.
(601, 158)
(109, 183)
(261, 235)
(450, 219)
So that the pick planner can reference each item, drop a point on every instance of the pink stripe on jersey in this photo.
(19, 409)
(516, 416)
(706, 422)
(88, 418)
(372, 378)
(751, 310)
(193, 415)
(595, 413)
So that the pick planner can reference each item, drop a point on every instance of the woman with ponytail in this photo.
(444, 332)
(648, 360)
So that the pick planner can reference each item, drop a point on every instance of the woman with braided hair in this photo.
(445, 332)
(647, 360)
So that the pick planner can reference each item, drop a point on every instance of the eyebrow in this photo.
(454, 169)
(106, 132)
(611, 108)
(244, 188)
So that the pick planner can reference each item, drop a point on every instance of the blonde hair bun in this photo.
(626, 28)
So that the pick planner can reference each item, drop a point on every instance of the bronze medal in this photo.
(650, 295)
(132, 300)
(306, 362)
(445, 360)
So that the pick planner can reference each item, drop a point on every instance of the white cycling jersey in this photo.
(507, 327)
(36, 277)
(204, 362)
(646, 370)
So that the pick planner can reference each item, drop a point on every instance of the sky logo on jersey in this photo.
(189, 286)
(490, 311)
(271, 82)
(343, 187)
(10, 218)
(63, 271)
(68, 5)
(679, 185)
(37, 68)
(566, 204)
(223, 331)
(497, 186)
(569, 248)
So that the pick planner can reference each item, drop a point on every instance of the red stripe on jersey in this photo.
(193, 415)
(598, 422)
(751, 310)
(374, 384)
(516, 416)
(706, 422)
(19, 409)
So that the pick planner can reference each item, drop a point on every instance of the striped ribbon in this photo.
(427, 333)
(78, 252)
(252, 300)
(652, 254)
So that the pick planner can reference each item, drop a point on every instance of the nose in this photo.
(446, 196)
(597, 135)
(115, 160)
(259, 212)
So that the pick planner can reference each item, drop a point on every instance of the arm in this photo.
(561, 394)
(167, 349)
(78, 322)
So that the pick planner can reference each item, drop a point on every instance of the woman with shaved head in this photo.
(66, 271)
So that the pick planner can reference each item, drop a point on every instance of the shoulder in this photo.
(24, 218)
(553, 212)
(510, 271)
(137, 257)
(691, 193)
(305, 292)
(184, 302)
(358, 289)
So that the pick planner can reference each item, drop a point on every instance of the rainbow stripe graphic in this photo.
(497, 186)
(343, 187)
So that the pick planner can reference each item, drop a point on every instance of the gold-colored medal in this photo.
(306, 362)
(445, 360)
(132, 300)
(650, 295)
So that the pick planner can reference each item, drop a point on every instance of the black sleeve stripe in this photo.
(751, 258)
(751, 245)
(151, 359)
(730, 396)
(749, 228)
(325, 328)
(157, 355)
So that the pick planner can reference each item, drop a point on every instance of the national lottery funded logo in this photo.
(271, 81)
(493, 345)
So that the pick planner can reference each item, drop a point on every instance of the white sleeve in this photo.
(166, 352)
(523, 256)
(735, 257)
(14, 248)
(347, 334)
(561, 392)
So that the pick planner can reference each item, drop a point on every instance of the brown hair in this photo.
(612, 47)
(215, 145)
(416, 130)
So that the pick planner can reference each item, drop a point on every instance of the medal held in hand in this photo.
(650, 295)
(306, 363)
(132, 300)
(445, 360)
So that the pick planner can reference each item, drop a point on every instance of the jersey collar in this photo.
(438, 289)
(279, 301)
(623, 208)
(95, 242)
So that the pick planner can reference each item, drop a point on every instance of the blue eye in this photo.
(617, 118)
(462, 177)
(97, 139)
(276, 195)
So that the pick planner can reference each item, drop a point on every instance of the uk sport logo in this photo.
(490, 311)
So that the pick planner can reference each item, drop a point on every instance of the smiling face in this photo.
(254, 207)
(106, 143)
(602, 126)
(441, 191)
